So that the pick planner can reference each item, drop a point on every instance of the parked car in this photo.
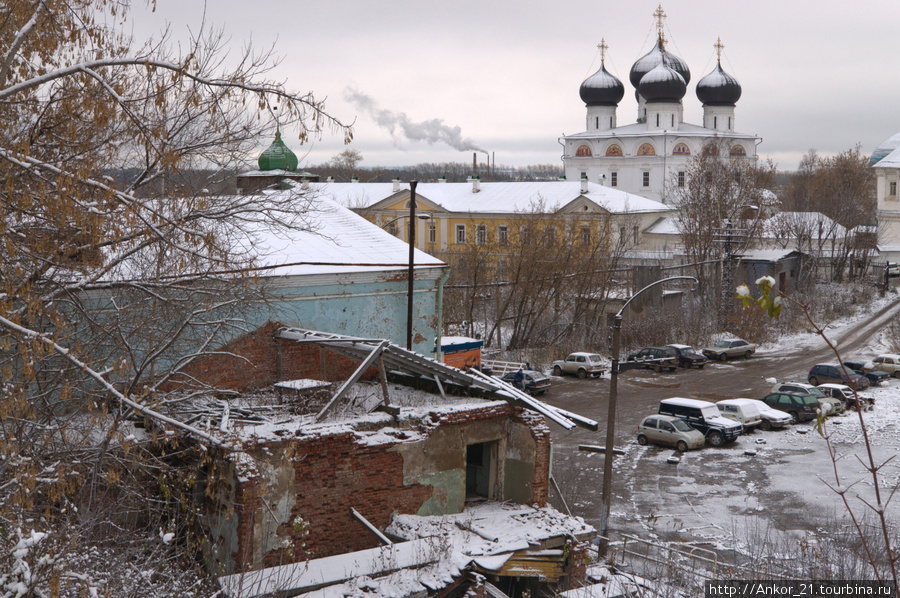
(801, 406)
(866, 368)
(741, 411)
(656, 358)
(889, 363)
(730, 348)
(845, 394)
(833, 406)
(669, 431)
(687, 357)
(829, 372)
(771, 418)
(536, 383)
(704, 417)
(580, 364)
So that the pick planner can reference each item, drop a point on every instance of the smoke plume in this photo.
(401, 127)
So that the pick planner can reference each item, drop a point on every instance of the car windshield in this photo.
(723, 344)
(816, 392)
(687, 350)
(681, 425)
(711, 411)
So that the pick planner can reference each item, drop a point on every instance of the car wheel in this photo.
(813, 380)
(657, 369)
(681, 446)
(795, 417)
(723, 357)
(896, 374)
(557, 371)
(642, 440)
(747, 355)
(715, 439)
(765, 425)
(582, 374)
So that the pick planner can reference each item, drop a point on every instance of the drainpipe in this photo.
(438, 355)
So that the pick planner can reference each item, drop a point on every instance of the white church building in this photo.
(651, 155)
(885, 161)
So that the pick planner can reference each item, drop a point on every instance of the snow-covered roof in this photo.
(884, 149)
(334, 240)
(664, 226)
(767, 255)
(891, 160)
(789, 223)
(506, 198)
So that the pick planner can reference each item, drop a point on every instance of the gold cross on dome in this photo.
(660, 17)
(603, 48)
(719, 46)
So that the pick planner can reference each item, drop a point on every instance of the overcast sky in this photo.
(504, 75)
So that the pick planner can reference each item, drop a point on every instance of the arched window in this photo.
(646, 150)
(738, 150)
(614, 150)
(583, 151)
(681, 149)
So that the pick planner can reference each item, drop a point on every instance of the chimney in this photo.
(354, 179)
(584, 183)
(330, 179)
(476, 184)
(442, 179)
(396, 182)
(304, 184)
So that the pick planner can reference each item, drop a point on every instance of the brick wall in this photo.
(333, 472)
(257, 360)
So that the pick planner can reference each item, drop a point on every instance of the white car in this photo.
(889, 362)
(742, 411)
(580, 364)
(771, 418)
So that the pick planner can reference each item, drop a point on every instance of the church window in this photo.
(646, 150)
(392, 228)
(681, 149)
(634, 233)
(715, 122)
(481, 234)
(614, 179)
(610, 122)
(461, 234)
(432, 233)
(657, 119)
(893, 188)
(585, 236)
(584, 151)
(738, 150)
(673, 120)
(597, 123)
(646, 179)
(729, 123)
(681, 178)
(503, 235)
(549, 236)
(614, 150)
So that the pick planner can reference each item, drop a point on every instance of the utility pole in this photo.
(412, 250)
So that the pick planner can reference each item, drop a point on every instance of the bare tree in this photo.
(108, 287)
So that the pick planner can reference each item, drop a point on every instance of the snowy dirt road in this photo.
(725, 496)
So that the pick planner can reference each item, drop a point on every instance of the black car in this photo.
(874, 376)
(656, 358)
(687, 357)
(535, 382)
(828, 372)
(801, 407)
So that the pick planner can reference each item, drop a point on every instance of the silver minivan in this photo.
(670, 431)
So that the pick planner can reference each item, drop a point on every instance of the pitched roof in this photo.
(333, 240)
(509, 198)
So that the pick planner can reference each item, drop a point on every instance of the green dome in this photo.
(277, 156)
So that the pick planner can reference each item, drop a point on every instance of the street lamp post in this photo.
(412, 253)
(614, 369)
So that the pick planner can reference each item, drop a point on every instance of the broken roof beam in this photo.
(384, 539)
(513, 394)
(366, 363)
(307, 576)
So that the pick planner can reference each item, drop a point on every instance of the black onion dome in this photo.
(662, 84)
(602, 89)
(718, 88)
(651, 59)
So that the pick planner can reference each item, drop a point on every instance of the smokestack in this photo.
(584, 183)
(474, 163)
